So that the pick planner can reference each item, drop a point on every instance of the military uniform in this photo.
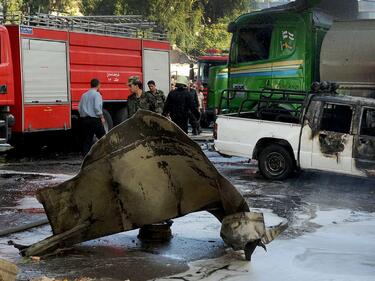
(145, 101)
(159, 100)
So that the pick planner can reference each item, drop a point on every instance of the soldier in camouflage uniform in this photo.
(138, 99)
(158, 95)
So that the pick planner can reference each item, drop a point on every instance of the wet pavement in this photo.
(324, 211)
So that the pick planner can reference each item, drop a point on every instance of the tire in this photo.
(204, 120)
(121, 115)
(108, 121)
(275, 162)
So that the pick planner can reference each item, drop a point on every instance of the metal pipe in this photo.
(24, 227)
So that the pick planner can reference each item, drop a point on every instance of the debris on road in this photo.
(24, 227)
(144, 171)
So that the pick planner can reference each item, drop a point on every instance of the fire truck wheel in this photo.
(121, 115)
(108, 125)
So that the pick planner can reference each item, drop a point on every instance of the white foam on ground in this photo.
(342, 249)
(28, 203)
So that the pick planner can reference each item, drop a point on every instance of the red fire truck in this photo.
(48, 61)
(211, 58)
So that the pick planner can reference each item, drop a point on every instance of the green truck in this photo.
(290, 47)
(217, 82)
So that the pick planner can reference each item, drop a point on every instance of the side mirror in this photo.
(232, 27)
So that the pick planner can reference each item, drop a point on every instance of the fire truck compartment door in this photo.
(45, 73)
(156, 67)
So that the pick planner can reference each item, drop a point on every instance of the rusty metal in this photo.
(144, 171)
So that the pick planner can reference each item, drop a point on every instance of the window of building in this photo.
(254, 44)
(336, 118)
(368, 122)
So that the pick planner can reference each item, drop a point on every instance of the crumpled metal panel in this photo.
(145, 170)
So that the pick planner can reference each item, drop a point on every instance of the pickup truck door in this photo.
(364, 143)
(333, 141)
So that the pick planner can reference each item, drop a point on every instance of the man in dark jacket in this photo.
(193, 120)
(179, 104)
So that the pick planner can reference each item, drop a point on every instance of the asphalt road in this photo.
(311, 202)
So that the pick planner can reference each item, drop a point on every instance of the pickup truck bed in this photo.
(238, 136)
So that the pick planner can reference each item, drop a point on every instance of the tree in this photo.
(39, 6)
(100, 7)
(181, 18)
(214, 10)
(194, 25)
(214, 36)
(11, 7)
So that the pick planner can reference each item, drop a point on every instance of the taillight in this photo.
(215, 131)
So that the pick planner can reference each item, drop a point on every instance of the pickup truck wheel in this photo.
(275, 162)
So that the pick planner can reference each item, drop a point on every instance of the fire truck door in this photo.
(45, 85)
(156, 67)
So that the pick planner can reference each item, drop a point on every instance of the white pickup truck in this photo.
(334, 133)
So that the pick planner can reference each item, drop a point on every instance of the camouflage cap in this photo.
(132, 79)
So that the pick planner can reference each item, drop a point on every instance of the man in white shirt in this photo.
(90, 109)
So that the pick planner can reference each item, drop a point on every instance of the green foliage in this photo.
(181, 19)
(39, 6)
(214, 36)
(194, 25)
(11, 7)
(99, 7)
(215, 10)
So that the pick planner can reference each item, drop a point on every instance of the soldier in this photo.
(159, 98)
(138, 99)
(179, 103)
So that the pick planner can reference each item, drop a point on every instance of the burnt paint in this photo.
(332, 143)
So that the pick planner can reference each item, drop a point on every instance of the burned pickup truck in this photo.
(325, 132)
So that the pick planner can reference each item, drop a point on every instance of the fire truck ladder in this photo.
(133, 26)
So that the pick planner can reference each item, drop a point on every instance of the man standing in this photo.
(159, 98)
(202, 107)
(193, 119)
(138, 99)
(90, 109)
(179, 103)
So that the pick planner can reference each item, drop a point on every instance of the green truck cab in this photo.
(217, 82)
(275, 48)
